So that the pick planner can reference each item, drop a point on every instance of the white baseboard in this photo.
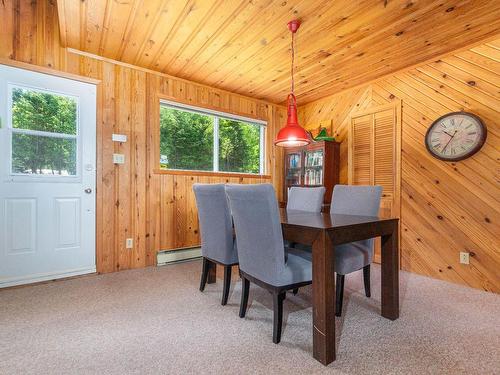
(36, 278)
(172, 256)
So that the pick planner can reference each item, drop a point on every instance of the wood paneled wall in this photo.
(445, 207)
(334, 113)
(133, 201)
(173, 219)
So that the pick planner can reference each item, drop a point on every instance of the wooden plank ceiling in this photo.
(244, 46)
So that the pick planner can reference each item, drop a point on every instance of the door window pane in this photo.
(39, 155)
(239, 146)
(186, 140)
(43, 111)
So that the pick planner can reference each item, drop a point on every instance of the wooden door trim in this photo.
(350, 145)
(372, 147)
(398, 113)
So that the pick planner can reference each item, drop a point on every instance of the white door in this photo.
(47, 177)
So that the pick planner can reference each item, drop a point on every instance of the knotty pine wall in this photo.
(445, 207)
(133, 200)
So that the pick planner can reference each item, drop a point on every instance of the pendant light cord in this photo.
(293, 62)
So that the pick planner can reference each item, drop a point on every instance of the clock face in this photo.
(455, 136)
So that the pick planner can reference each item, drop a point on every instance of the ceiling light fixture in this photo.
(292, 134)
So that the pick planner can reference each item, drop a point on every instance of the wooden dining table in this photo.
(324, 232)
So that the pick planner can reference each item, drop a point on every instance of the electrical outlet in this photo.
(129, 243)
(464, 257)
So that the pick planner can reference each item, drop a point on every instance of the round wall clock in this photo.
(455, 136)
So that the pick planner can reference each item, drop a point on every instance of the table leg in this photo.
(212, 273)
(323, 299)
(390, 275)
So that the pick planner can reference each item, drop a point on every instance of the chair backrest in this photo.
(258, 230)
(305, 199)
(216, 225)
(357, 200)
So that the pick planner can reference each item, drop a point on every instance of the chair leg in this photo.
(366, 279)
(339, 294)
(227, 284)
(204, 273)
(212, 273)
(245, 287)
(278, 316)
(295, 291)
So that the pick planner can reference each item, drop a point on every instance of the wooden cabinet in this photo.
(316, 164)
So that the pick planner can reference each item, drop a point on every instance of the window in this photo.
(44, 132)
(201, 140)
(186, 140)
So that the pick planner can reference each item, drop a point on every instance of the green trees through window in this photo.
(187, 142)
(239, 146)
(44, 133)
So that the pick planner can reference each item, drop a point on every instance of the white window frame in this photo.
(216, 115)
(12, 130)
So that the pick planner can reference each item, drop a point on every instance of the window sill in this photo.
(210, 173)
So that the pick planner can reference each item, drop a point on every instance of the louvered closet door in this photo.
(374, 156)
(361, 136)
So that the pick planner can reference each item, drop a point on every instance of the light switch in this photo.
(118, 158)
(119, 138)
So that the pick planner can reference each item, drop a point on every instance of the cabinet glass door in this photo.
(293, 169)
(313, 169)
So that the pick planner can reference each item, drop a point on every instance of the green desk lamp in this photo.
(323, 136)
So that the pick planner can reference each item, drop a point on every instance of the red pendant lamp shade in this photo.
(292, 134)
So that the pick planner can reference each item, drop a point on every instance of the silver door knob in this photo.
(88, 190)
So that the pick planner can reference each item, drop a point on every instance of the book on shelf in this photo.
(314, 159)
(313, 177)
(294, 161)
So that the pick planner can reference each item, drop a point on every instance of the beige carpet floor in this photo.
(155, 321)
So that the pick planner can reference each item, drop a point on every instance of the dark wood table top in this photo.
(326, 220)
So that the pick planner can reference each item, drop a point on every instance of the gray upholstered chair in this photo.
(308, 199)
(305, 198)
(261, 250)
(217, 241)
(362, 201)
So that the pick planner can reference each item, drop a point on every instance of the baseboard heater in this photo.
(179, 255)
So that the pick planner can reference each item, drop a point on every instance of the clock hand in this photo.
(455, 129)
(448, 141)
